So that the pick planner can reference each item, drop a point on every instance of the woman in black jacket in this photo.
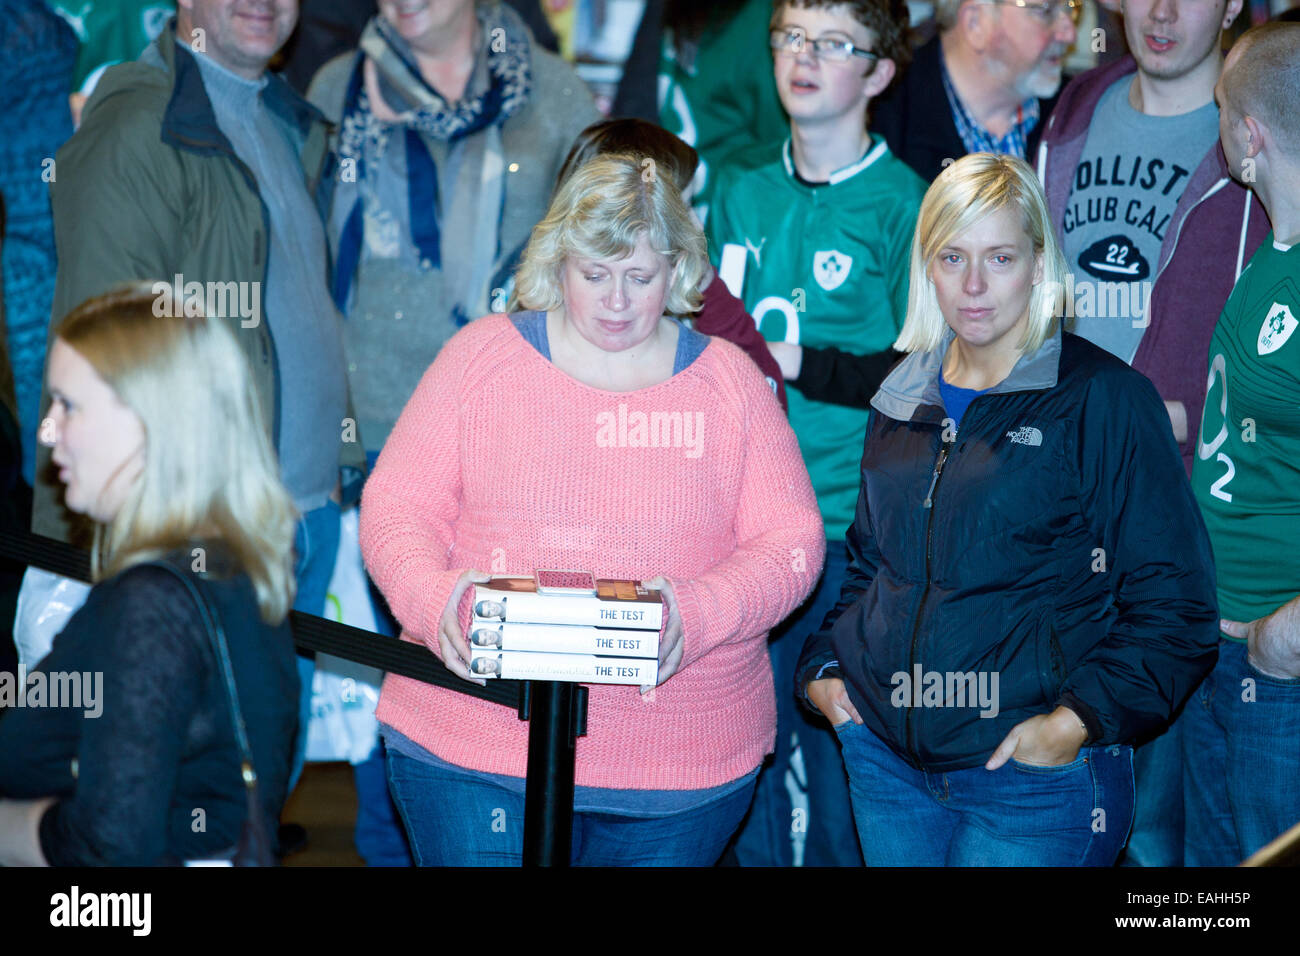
(122, 750)
(1031, 585)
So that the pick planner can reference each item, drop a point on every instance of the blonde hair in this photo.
(975, 186)
(600, 212)
(209, 471)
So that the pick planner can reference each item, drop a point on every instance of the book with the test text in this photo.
(566, 626)
(576, 598)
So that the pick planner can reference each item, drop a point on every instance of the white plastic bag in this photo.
(344, 693)
(45, 603)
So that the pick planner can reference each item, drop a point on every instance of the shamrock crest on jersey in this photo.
(1277, 328)
(831, 268)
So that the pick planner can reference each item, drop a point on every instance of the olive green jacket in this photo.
(150, 188)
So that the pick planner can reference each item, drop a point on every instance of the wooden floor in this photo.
(325, 802)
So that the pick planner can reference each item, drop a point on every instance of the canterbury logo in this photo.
(1026, 435)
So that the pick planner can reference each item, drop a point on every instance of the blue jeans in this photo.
(765, 837)
(379, 836)
(1241, 760)
(1077, 814)
(315, 548)
(1157, 837)
(454, 820)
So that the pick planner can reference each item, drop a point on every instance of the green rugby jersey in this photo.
(111, 31)
(823, 266)
(1247, 470)
(720, 96)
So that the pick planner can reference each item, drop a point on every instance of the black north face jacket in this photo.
(1049, 548)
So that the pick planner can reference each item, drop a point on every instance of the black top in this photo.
(842, 378)
(157, 776)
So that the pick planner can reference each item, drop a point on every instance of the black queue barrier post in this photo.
(556, 712)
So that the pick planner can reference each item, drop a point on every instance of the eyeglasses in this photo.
(1049, 10)
(794, 40)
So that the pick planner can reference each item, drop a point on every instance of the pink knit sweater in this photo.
(503, 463)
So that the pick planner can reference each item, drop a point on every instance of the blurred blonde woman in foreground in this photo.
(158, 437)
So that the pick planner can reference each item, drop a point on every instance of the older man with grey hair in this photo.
(986, 82)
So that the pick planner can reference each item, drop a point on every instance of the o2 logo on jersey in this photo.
(775, 303)
(1204, 450)
(1277, 328)
(831, 268)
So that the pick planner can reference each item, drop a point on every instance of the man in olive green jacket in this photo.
(150, 188)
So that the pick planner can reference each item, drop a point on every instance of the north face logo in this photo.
(1026, 435)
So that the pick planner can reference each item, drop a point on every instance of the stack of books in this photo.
(566, 626)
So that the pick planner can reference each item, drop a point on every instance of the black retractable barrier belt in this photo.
(309, 632)
(392, 655)
(45, 553)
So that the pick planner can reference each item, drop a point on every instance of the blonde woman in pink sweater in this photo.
(528, 445)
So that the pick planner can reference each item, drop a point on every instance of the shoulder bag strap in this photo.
(254, 847)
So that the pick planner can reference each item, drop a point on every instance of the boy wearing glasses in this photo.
(814, 234)
(1155, 233)
(986, 83)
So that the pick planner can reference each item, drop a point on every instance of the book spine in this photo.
(558, 638)
(526, 608)
(578, 668)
